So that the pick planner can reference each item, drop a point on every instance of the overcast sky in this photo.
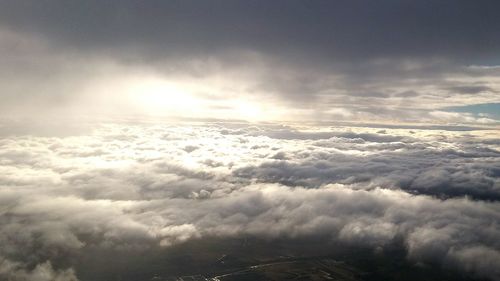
(383, 61)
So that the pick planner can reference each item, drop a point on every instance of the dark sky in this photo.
(331, 56)
(330, 30)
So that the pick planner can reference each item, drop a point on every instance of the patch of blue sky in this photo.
(490, 110)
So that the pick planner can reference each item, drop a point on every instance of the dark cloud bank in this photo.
(384, 60)
(129, 191)
(345, 29)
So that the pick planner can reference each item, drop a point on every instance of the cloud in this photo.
(370, 160)
(471, 89)
(352, 29)
(87, 169)
(135, 188)
(457, 117)
(344, 63)
(42, 272)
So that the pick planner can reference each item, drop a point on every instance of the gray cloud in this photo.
(355, 56)
(354, 29)
(471, 89)
(42, 272)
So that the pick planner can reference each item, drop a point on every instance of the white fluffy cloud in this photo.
(136, 187)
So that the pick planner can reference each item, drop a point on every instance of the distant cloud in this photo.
(472, 89)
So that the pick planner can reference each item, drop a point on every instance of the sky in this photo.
(132, 132)
(386, 62)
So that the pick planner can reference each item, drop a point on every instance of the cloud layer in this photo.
(397, 61)
(146, 186)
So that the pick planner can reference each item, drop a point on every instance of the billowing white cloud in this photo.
(138, 187)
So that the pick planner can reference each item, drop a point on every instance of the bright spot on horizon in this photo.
(162, 97)
(156, 96)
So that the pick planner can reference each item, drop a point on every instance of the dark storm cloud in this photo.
(370, 59)
(357, 30)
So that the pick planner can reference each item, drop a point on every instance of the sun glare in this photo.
(163, 97)
(248, 111)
